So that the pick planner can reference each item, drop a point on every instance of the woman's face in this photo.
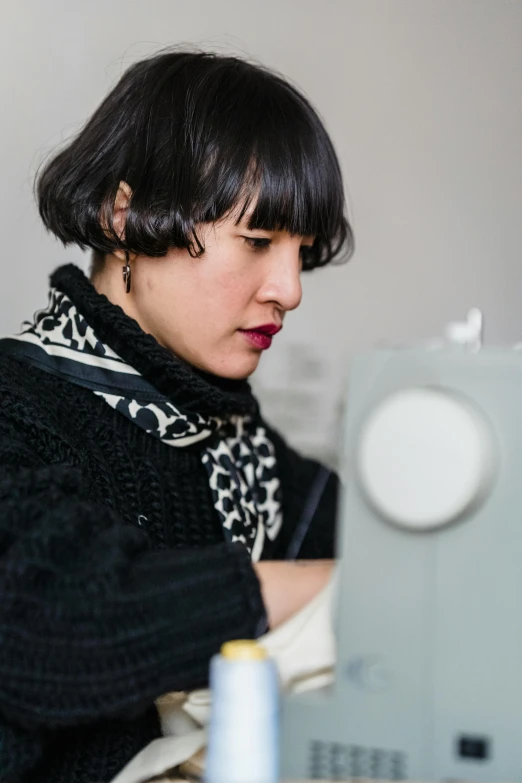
(220, 311)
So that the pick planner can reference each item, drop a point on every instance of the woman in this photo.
(146, 509)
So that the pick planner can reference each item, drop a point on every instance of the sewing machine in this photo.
(428, 682)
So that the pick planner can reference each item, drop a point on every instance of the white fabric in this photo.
(304, 650)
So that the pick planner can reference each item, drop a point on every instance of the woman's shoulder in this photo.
(28, 393)
(20, 377)
(43, 418)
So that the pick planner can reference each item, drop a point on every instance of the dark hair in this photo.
(196, 134)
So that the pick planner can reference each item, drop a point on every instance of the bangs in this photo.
(292, 193)
(198, 136)
(276, 159)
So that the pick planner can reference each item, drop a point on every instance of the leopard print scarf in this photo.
(239, 458)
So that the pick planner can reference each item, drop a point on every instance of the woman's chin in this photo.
(235, 368)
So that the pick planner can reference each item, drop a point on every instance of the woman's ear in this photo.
(119, 214)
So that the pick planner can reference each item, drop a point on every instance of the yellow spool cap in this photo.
(243, 650)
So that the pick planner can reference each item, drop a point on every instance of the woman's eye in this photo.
(257, 243)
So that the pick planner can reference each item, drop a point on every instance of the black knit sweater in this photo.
(116, 583)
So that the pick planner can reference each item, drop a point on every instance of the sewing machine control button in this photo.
(368, 672)
(425, 457)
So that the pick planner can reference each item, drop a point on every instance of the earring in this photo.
(127, 274)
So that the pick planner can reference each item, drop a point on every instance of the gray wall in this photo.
(423, 99)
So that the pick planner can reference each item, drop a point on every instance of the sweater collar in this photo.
(192, 390)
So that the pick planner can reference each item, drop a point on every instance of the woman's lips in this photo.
(261, 338)
(258, 339)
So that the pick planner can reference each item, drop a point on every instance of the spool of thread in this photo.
(243, 740)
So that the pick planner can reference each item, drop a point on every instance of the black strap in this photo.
(310, 507)
(89, 376)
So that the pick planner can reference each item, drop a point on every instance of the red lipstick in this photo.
(261, 336)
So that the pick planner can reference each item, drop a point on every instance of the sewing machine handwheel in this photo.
(426, 457)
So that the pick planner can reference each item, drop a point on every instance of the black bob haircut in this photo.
(196, 135)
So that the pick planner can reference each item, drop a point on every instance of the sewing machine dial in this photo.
(425, 457)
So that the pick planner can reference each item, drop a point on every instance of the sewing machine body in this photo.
(428, 682)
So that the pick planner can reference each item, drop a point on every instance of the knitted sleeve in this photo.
(92, 623)
(310, 504)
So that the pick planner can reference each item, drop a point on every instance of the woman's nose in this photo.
(283, 283)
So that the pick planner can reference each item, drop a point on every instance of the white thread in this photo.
(244, 722)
